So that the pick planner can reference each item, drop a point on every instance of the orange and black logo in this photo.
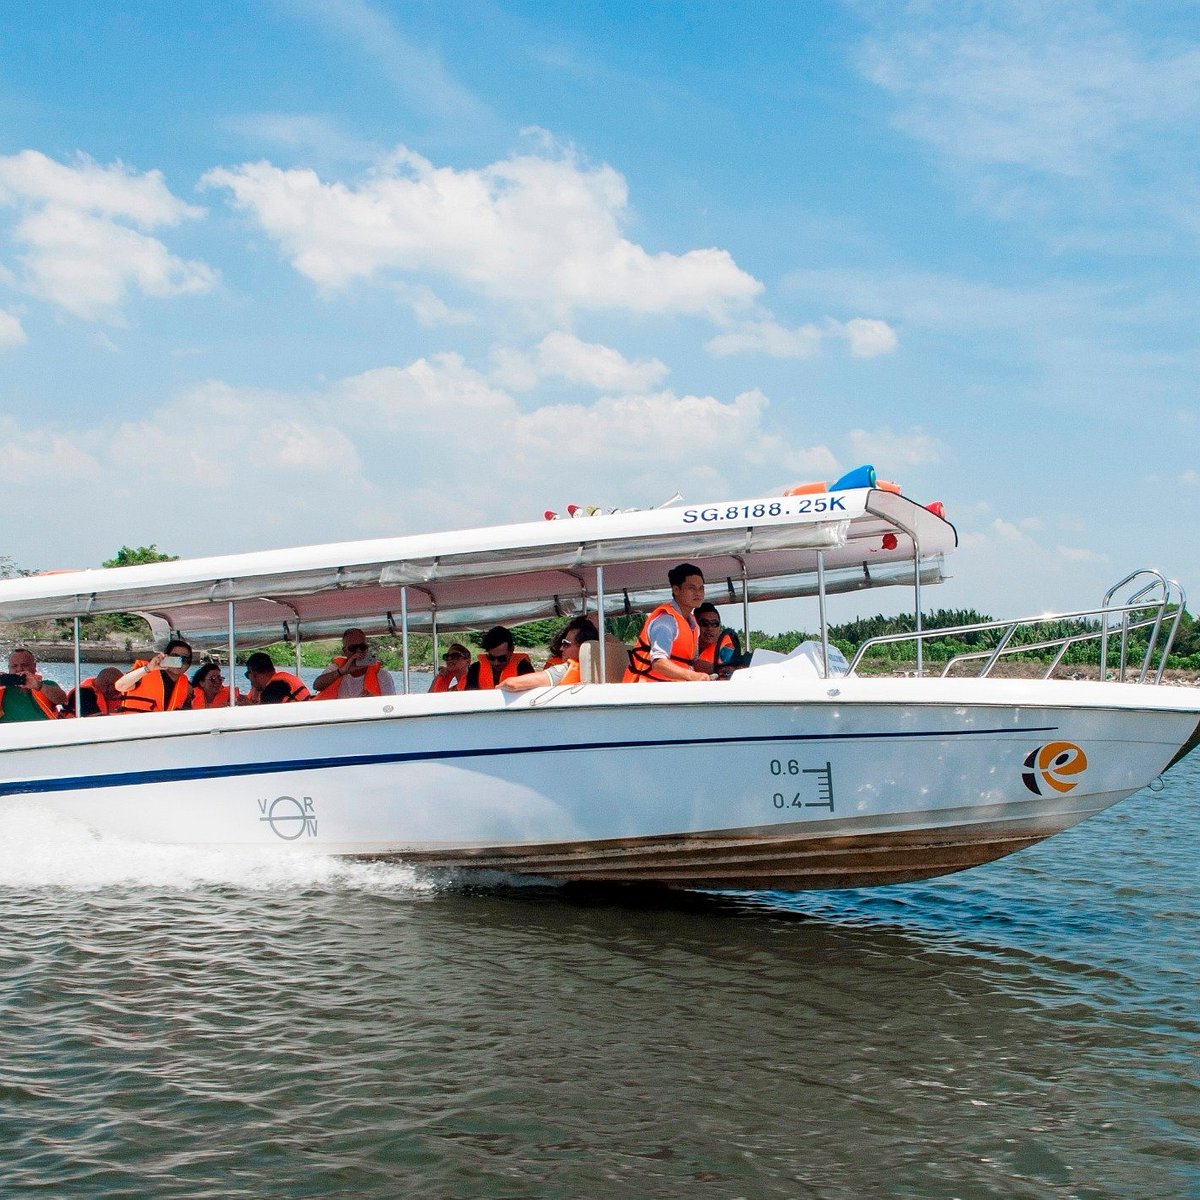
(1049, 768)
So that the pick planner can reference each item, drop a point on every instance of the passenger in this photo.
(209, 689)
(260, 670)
(277, 691)
(98, 697)
(666, 646)
(159, 684)
(717, 650)
(355, 672)
(453, 676)
(555, 657)
(497, 661)
(24, 694)
(561, 674)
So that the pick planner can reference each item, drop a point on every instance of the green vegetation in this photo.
(126, 625)
(850, 636)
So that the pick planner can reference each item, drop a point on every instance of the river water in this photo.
(178, 1022)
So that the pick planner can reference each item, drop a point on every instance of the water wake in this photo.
(43, 849)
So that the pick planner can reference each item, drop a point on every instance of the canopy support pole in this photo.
(404, 633)
(917, 600)
(745, 608)
(600, 621)
(232, 658)
(78, 673)
(437, 655)
(821, 607)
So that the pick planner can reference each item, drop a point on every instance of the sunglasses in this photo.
(499, 658)
(356, 649)
(455, 654)
(710, 624)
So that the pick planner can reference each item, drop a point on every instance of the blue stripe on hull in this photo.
(235, 770)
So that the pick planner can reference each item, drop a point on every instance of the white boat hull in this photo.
(834, 783)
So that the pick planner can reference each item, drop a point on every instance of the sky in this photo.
(278, 272)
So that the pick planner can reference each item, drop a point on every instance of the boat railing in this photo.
(1152, 603)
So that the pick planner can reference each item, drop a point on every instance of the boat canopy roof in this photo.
(466, 579)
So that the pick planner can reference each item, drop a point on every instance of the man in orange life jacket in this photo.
(29, 696)
(160, 683)
(497, 661)
(560, 674)
(666, 647)
(717, 649)
(354, 672)
(260, 670)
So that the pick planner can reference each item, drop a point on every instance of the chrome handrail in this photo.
(1135, 613)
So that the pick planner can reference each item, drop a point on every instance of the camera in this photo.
(172, 660)
(9, 679)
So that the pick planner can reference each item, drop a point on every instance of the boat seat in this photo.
(616, 660)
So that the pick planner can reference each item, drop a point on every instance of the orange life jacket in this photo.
(444, 681)
(710, 656)
(683, 649)
(220, 698)
(48, 709)
(331, 690)
(101, 702)
(149, 694)
(488, 679)
(572, 674)
(297, 687)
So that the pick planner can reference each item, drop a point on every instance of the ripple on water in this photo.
(179, 1021)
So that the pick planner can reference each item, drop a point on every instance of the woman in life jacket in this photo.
(666, 647)
(209, 689)
(160, 683)
(719, 650)
(453, 675)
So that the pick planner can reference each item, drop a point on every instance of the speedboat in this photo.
(798, 772)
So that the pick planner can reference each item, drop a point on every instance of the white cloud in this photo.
(564, 356)
(889, 450)
(79, 250)
(297, 446)
(867, 338)
(306, 132)
(1080, 554)
(767, 337)
(1057, 89)
(535, 230)
(1190, 478)
(45, 456)
(115, 193)
(12, 332)
(1036, 106)
(415, 70)
(430, 445)
(1012, 572)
